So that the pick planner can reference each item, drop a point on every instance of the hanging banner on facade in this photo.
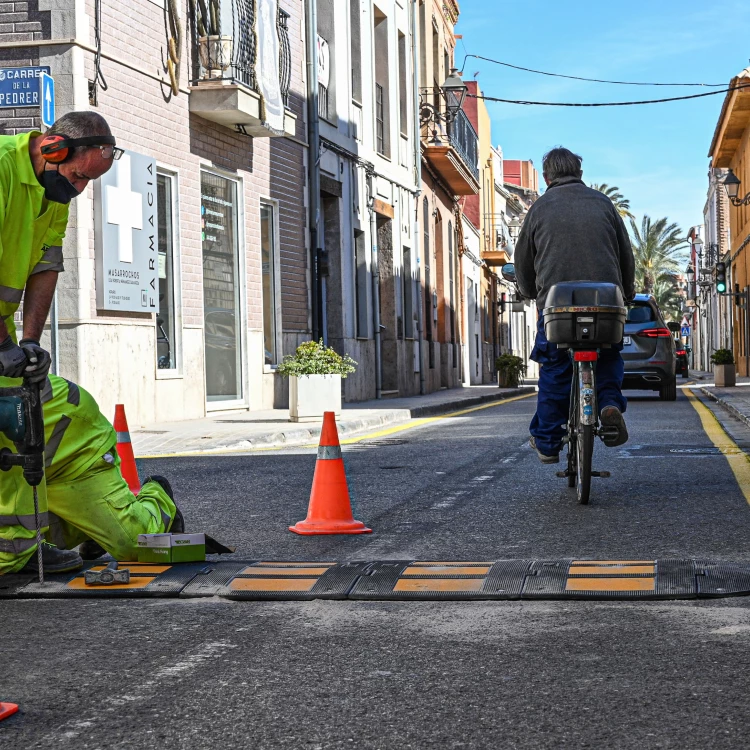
(324, 62)
(267, 65)
(126, 241)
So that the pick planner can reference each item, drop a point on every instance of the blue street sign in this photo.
(685, 331)
(19, 87)
(47, 90)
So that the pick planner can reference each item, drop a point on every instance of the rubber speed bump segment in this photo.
(145, 581)
(610, 579)
(7, 709)
(294, 580)
(12, 583)
(402, 580)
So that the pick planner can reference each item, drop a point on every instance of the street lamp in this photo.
(514, 227)
(732, 186)
(690, 273)
(453, 91)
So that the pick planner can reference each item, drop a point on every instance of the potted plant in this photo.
(314, 373)
(724, 371)
(510, 370)
(214, 50)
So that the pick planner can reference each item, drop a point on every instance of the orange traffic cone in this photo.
(330, 509)
(125, 451)
(7, 709)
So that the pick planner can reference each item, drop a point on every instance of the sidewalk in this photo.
(240, 430)
(735, 400)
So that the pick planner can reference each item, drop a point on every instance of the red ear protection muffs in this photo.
(58, 148)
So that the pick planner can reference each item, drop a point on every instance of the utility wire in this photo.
(580, 78)
(608, 104)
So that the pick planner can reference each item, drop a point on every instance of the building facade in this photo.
(730, 149)
(220, 131)
(449, 173)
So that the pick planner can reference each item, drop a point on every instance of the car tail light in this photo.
(655, 333)
(585, 356)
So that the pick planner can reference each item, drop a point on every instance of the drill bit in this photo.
(39, 561)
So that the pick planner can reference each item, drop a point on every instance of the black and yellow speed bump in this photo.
(404, 580)
(294, 580)
(146, 580)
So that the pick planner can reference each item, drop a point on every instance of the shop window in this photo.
(269, 265)
(166, 319)
(221, 291)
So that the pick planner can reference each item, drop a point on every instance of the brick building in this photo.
(232, 270)
(730, 150)
(449, 173)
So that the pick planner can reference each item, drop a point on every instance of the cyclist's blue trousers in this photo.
(555, 373)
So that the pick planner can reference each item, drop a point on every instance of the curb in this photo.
(733, 410)
(299, 436)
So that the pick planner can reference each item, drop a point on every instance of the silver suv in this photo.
(648, 349)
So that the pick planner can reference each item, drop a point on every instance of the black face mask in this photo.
(57, 187)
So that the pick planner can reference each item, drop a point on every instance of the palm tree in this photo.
(656, 247)
(667, 297)
(612, 192)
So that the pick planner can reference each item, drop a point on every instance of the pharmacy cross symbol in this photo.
(124, 208)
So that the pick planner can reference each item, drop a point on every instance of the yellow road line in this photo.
(738, 461)
(348, 441)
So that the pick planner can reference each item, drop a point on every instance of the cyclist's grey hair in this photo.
(80, 125)
(561, 162)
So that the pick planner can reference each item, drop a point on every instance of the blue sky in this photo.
(655, 153)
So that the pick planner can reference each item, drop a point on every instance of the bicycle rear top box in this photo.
(580, 313)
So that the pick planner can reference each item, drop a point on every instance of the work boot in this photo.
(611, 417)
(178, 522)
(543, 457)
(54, 560)
(91, 550)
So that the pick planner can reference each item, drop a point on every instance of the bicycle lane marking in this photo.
(738, 460)
(420, 422)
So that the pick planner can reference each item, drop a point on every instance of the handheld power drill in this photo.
(22, 422)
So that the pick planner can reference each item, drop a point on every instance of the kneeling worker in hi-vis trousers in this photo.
(84, 499)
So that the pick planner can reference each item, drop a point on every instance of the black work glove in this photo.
(38, 361)
(12, 359)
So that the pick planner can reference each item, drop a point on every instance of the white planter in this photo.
(215, 53)
(311, 395)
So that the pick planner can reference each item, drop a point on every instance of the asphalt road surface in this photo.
(210, 673)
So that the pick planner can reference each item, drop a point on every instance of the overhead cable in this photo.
(607, 104)
(581, 78)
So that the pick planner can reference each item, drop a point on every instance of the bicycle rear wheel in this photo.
(585, 452)
(572, 442)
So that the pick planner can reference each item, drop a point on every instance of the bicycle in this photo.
(583, 425)
(584, 317)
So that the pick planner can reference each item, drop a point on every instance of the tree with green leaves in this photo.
(612, 192)
(656, 247)
(666, 293)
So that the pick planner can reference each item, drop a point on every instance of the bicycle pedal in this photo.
(602, 474)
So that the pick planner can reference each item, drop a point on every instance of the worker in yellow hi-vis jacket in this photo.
(84, 499)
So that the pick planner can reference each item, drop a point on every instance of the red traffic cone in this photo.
(7, 709)
(330, 509)
(125, 450)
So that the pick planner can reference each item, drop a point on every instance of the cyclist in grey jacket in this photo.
(572, 233)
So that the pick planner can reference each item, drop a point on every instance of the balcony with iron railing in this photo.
(452, 148)
(242, 66)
